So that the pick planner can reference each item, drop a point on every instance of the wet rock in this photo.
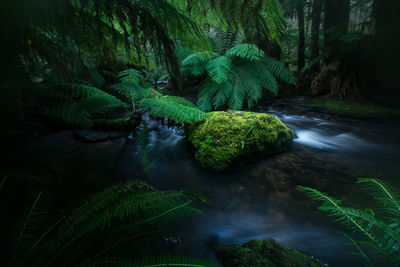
(228, 138)
(256, 253)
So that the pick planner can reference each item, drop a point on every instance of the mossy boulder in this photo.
(256, 253)
(227, 138)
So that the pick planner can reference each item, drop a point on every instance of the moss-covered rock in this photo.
(227, 138)
(257, 253)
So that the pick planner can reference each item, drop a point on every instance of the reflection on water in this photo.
(256, 201)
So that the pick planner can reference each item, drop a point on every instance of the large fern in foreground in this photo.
(80, 105)
(381, 235)
(236, 73)
(147, 99)
(88, 231)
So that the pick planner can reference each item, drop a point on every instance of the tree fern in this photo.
(236, 77)
(382, 236)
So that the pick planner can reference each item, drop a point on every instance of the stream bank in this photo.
(257, 201)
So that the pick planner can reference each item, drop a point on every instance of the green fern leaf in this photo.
(385, 195)
(131, 76)
(218, 69)
(180, 100)
(279, 70)
(246, 51)
(159, 261)
(207, 92)
(238, 92)
(165, 107)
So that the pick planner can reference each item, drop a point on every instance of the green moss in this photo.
(223, 139)
(353, 109)
(257, 253)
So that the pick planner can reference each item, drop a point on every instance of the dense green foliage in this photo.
(381, 235)
(79, 104)
(236, 72)
(104, 65)
(88, 230)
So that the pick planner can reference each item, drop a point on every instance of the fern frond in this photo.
(71, 114)
(345, 215)
(159, 261)
(385, 196)
(266, 78)
(100, 104)
(223, 94)
(97, 79)
(279, 70)
(180, 100)
(132, 91)
(218, 69)
(238, 92)
(253, 86)
(75, 91)
(385, 238)
(196, 63)
(205, 97)
(164, 107)
(360, 250)
(135, 206)
(131, 76)
(246, 51)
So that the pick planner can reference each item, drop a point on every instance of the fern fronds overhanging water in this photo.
(79, 105)
(382, 235)
(91, 228)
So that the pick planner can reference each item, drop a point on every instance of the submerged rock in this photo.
(256, 253)
(226, 138)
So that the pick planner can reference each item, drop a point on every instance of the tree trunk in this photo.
(383, 13)
(301, 48)
(337, 16)
(383, 53)
(315, 26)
(339, 75)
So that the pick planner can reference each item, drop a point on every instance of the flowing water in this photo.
(259, 200)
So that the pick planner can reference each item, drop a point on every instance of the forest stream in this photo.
(259, 200)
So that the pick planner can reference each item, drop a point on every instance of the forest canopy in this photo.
(100, 99)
